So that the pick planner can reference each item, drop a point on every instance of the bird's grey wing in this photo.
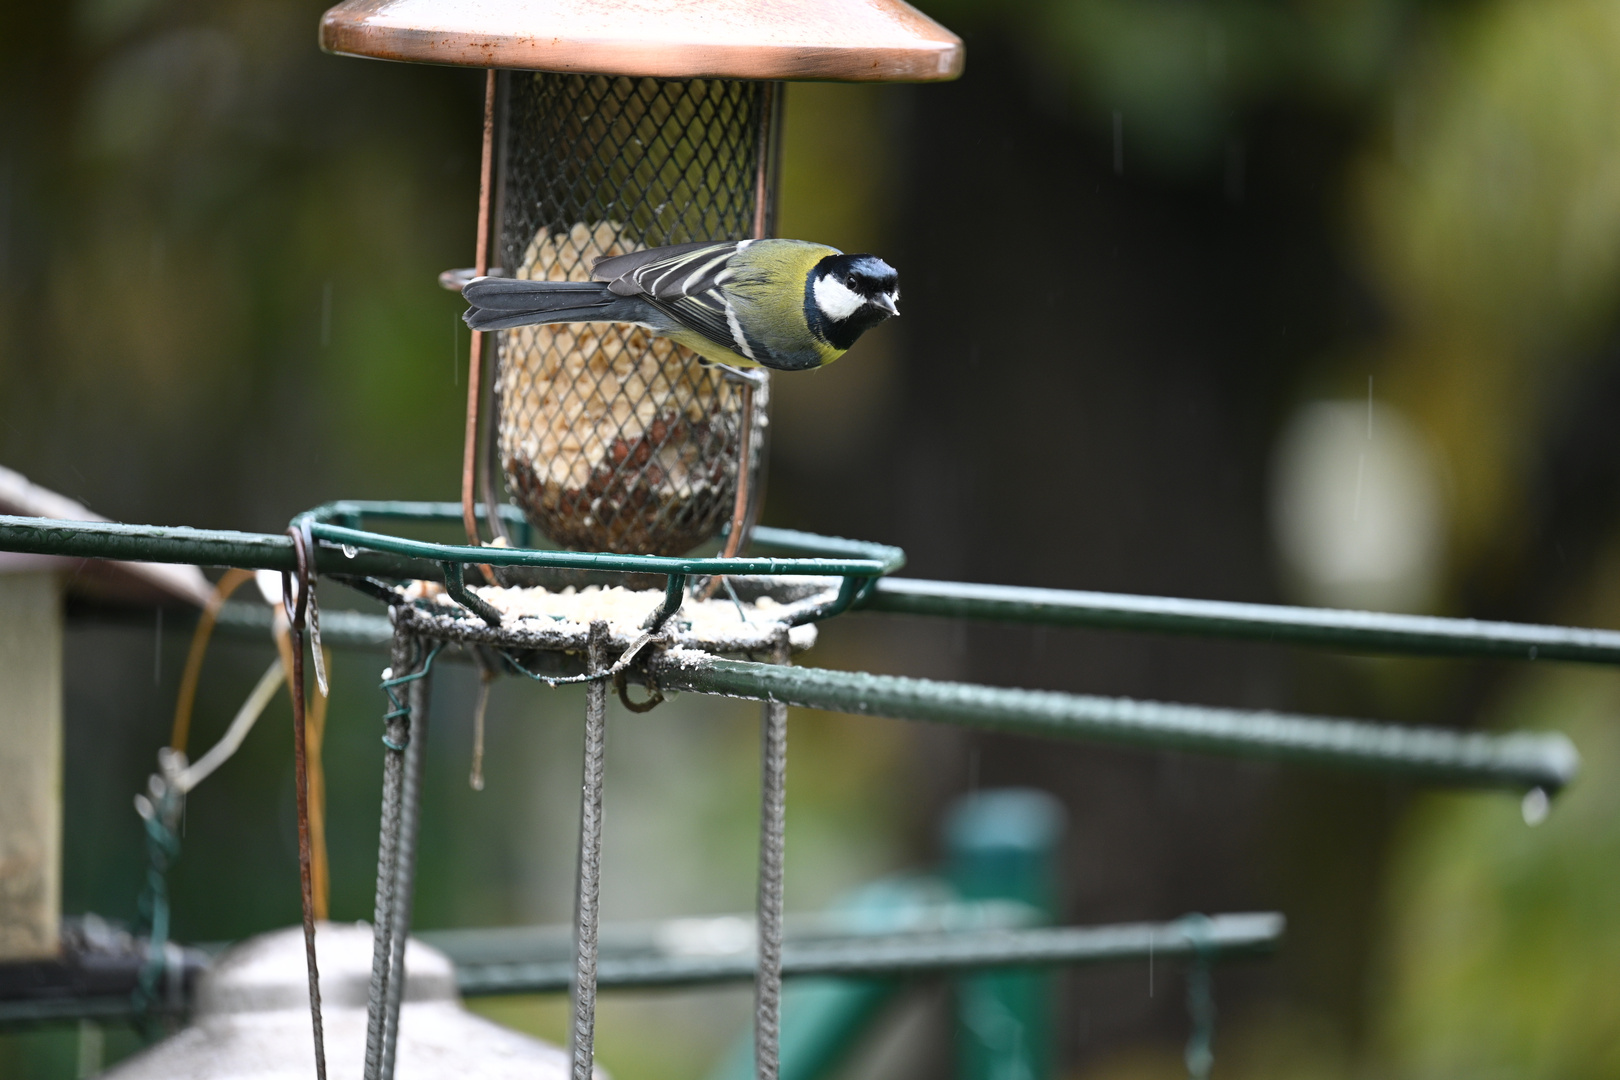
(685, 282)
(684, 271)
(707, 314)
(663, 272)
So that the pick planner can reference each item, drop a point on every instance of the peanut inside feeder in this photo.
(612, 439)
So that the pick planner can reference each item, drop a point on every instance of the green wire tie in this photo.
(399, 707)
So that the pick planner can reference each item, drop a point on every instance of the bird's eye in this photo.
(850, 281)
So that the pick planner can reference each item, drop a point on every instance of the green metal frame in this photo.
(346, 548)
(1515, 761)
(1521, 760)
(357, 552)
(390, 557)
(812, 555)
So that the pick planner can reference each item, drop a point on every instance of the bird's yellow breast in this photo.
(767, 290)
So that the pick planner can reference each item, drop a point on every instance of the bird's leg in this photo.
(748, 376)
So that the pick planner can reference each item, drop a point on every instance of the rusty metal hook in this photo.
(622, 687)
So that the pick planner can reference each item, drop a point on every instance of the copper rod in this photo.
(762, 175)
(315, 783)
(303, 548)
(489, 464)
(739, 510)
(320, 874)
(475, 353)
(488, 460)
(180, 733)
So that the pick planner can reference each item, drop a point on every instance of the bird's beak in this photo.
(886, 302)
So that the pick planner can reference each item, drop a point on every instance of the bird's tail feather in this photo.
(502, 303)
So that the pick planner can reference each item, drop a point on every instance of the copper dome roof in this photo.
(837, 40)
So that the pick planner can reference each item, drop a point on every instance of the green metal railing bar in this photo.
(792, 542)
(1527, 760)
(897, 955)
(802, 544)
(351, 550)
(827, 556)
(859, 955)
(1354, 631)
(344, 629)
(36, 1012)
(1519, 760)
(391, 557)
(149, 543)
(353, 512)
(587, 560)
(375, 554)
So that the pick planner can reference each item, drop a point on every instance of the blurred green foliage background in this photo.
(1139, 238)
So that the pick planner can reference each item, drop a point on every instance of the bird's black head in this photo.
(847, 295)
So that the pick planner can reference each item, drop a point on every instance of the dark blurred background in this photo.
(1289, 301)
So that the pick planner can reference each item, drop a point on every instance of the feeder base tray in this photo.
(538, 620)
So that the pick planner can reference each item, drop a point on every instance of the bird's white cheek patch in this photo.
(836, 300)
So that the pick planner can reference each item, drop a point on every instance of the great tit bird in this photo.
(783, 304)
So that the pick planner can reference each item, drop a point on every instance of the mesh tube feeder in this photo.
(611, 439)
(610, 129)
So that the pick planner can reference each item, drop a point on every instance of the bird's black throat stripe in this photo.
(838, 335)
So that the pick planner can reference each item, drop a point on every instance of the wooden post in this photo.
(30, 764)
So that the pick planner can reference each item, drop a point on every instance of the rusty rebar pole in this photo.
(410, 824)
(772, 833)
(396, 737)
(582, 1043)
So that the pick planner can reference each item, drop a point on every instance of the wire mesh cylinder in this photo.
(611, 439)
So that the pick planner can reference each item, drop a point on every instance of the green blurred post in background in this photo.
(824, 1020)
(1002, 845)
